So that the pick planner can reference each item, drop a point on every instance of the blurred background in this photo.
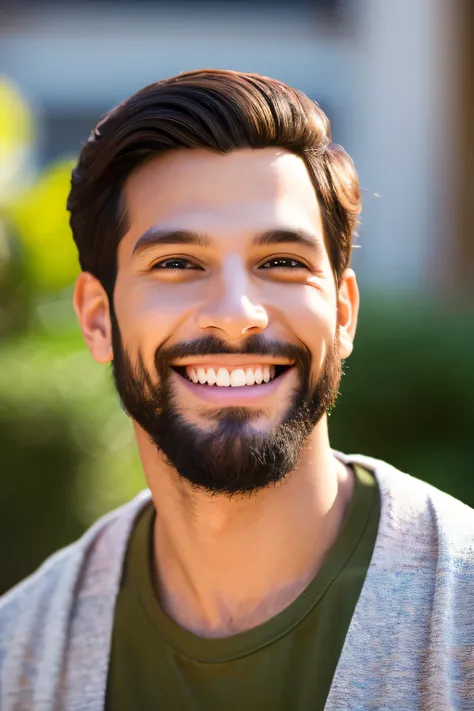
(396, 78)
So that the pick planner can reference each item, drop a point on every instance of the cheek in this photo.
(147, 315)
(309, 313)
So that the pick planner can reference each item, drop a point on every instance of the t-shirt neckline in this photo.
(218, 650)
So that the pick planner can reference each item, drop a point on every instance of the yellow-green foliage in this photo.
(39, 216)
(17, 133)
(34, 206)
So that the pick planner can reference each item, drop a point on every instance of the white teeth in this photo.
(223, 377)
(231, 378)
(237, 378)
(211, 376)
(250, 376)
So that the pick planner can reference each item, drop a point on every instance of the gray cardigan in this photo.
(410, 644)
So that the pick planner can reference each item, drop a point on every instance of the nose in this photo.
(230, 306)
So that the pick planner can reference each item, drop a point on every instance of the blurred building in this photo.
(395, 77)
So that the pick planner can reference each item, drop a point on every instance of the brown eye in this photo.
(283, 263)
(175, 263)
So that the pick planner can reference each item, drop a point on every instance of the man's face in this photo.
(226, 340)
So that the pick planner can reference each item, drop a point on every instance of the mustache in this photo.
(253, 345)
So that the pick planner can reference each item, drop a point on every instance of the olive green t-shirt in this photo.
(285, 663)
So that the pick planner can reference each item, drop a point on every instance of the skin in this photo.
(223, 565)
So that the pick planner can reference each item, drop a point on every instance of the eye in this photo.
(283, 263)
(175, 263)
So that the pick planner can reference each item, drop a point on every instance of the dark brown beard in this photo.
(232, 458)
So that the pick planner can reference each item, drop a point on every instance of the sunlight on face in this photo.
(229, 246)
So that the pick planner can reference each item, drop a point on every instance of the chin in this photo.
(235, 415)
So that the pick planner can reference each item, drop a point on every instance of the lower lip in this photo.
(229, 396)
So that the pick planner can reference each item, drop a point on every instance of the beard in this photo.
(232, 458)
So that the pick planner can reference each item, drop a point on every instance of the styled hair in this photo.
(215, 109)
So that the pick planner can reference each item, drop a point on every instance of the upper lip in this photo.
(230, 360)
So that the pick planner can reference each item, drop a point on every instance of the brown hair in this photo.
(215, 109)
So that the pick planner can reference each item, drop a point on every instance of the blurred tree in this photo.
(40, 462)
(68, 452)
(408, 396)
(40, 218)
(32, 208)
(17, 135)
(15, 290)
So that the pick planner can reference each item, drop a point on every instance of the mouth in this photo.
(228, 383)
(220, 375)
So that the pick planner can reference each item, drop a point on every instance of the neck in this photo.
(222, 565)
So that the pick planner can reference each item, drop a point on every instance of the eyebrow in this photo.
(154, 237)
(290, 236)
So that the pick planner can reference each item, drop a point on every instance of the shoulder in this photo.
(417, 603)
(414, 496)
(56, 580)
(65, 604)
(414, 508)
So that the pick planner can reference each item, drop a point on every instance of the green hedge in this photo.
(408, 393)
(68, 451)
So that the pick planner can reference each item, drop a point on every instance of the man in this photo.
(263, 570)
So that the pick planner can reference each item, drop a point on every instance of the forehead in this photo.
(242, 191)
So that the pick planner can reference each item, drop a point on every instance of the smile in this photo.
(230, 384)
(231, 376)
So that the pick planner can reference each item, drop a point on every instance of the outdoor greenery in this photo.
(407, 396)
(67, 450)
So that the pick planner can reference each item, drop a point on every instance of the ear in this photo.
(347, 311)
(91, 305)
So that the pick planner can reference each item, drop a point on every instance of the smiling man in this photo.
(260, 569)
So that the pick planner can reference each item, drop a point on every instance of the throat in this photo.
(220, 587)
(225, 565)
(219, 616)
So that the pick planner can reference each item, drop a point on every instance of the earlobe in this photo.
(91, 305)
(347, 311)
